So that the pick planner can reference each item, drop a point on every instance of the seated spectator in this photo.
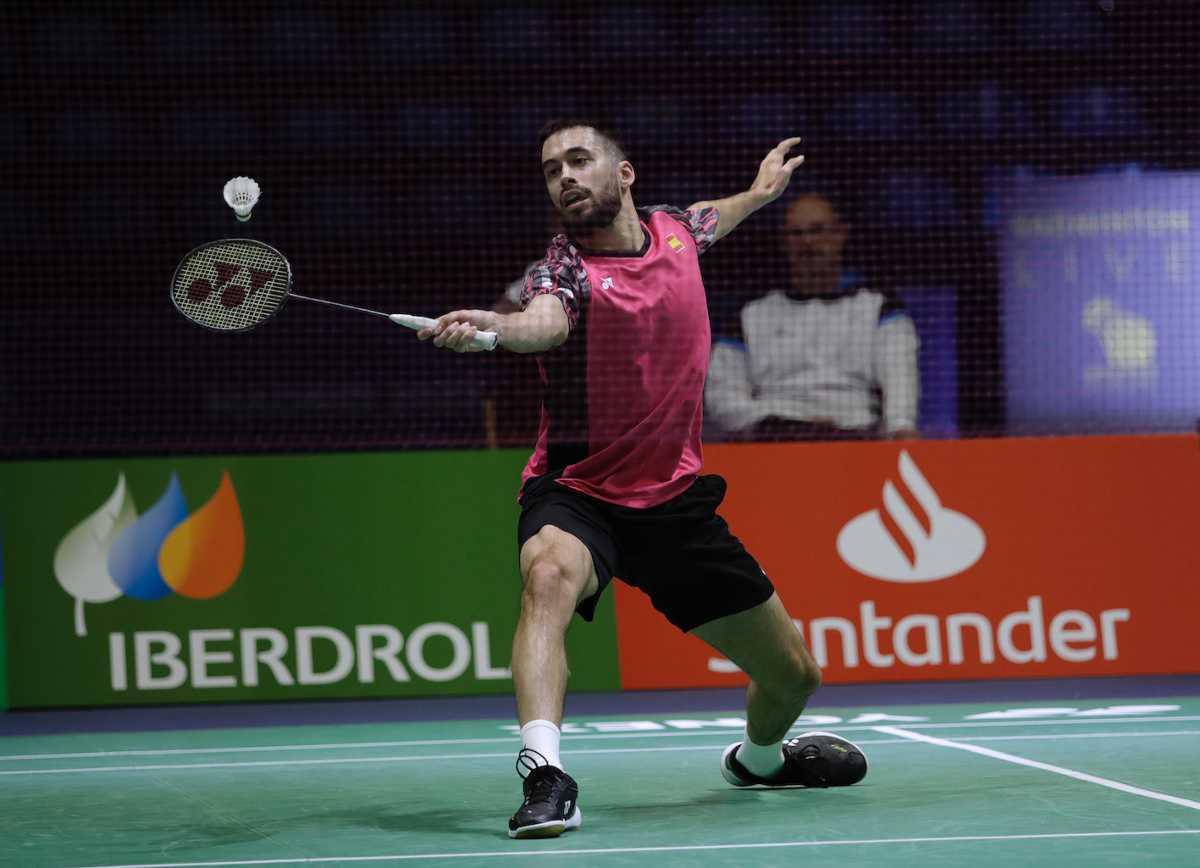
(826, 358)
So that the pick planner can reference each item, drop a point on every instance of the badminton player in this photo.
(616, 312)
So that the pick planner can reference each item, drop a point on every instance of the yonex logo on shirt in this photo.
(607, 283)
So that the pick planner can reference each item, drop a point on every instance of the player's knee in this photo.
(793, 679)
(547, 584)
(810, 676)
(805, 675)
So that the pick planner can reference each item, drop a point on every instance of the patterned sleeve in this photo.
(559, 273)
(701, 225)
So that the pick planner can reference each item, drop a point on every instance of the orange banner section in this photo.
(957, 559)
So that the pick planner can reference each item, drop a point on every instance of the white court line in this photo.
(572, 753)
(1046, 767)
(1041, 721)
(1060, 736)
(267, 748)
(600, 851)
(372, 759)
(512, 739)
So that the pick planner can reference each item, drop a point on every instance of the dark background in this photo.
(396, 146)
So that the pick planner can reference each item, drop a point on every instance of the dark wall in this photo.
(396, 148)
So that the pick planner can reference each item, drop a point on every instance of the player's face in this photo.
(813, 238)
(583, 178)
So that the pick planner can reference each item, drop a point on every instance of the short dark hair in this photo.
(836, 199)
(615, 146)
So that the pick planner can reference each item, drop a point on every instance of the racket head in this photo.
(231, 285)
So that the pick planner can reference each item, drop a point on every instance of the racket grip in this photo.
(481, 341)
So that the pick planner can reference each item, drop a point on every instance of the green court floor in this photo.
(1081, 783)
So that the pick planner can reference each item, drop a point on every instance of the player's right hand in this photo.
(454, 330)
(775, 172)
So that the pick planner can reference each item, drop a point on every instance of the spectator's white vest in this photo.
(848, 359)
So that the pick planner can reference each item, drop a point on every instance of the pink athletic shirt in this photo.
(624, 394)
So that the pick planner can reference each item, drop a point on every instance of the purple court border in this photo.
(306, 713)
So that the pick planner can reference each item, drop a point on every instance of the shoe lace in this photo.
(542, 787)
(538, 787)
(529, 759)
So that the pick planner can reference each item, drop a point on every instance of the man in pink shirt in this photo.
(617, 313)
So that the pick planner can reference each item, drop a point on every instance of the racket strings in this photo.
(231, 285)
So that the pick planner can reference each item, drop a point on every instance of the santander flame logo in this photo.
(913, 538)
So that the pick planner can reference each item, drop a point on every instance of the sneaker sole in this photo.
(550, 829)
(728, 774)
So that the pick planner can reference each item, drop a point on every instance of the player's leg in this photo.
(557, 573)
(567, 557)
(701, 577)
(765, 643)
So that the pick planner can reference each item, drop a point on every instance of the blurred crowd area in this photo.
(396, 147)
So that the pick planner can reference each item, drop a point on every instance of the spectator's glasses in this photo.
(817, 230)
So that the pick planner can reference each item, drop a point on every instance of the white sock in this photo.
(542, 736)
(763, 760)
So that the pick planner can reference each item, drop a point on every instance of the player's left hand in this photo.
(776, 171)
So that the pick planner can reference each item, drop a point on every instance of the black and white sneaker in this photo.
(551, 804)
(811, 759)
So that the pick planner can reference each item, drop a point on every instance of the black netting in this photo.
(1019, 179)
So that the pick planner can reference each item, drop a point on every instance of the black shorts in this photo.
(681, 553)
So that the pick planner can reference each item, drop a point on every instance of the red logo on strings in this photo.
(232, 294)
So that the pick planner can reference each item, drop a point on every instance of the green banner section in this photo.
(137, 581)
(3, 643)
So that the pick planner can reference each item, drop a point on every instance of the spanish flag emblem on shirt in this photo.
(674, 243)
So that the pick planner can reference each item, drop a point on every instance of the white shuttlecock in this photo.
(241, 194)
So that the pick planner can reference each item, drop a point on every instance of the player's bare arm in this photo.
(543, 325)
(774, 175)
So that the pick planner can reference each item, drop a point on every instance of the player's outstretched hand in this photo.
(776, 171)
(454, 330)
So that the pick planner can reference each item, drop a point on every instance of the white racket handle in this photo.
(481, 341)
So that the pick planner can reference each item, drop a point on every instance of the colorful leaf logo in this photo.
(203, 555)
(133, 561)
(114, 552)
(81, 559)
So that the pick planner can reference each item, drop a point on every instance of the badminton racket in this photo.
(236, 284)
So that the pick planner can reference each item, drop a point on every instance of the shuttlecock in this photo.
(241, 194)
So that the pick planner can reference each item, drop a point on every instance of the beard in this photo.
(606, 205)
